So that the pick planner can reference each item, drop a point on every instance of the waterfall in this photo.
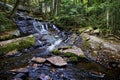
(40, 27)
(53, 46)
(46, 26)
(53, 39)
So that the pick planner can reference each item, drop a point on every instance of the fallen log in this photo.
(16, 44)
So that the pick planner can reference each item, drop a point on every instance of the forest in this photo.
(59, 39)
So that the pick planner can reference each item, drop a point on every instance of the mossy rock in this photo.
(73, 59)
(56, 52)
(18, 45)
(6, 37)
(68, 54)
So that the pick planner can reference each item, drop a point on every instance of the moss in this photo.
(55, 52)
(6, 37)
(69, 54)
(73, 59)
(23, 44)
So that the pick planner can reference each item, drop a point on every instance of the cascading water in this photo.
(44, 30)
(56, 28)
(40, 28)
(53, 46)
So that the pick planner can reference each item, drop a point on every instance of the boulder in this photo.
(38, 59)
(57, 60)
(75, 50)
(102, 51)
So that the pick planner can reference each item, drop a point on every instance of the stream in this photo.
(47, 38)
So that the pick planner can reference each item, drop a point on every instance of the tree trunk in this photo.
(15, 8)
(4, 6)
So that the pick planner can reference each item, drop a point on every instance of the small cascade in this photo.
(44, 29)
(56, 28)
(46, 25)
(53, 46)
(40, 27)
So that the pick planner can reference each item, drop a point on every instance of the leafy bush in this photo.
(70, 14)
(5, 23)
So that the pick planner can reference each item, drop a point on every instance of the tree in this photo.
(15, 8)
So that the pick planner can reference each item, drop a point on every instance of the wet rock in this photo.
(16, 33)
(97, 74)
(20, 70)
(64, 47)
(44, 77)
(38, 43)
(75, 50)
(96, 31)
(38, 59)
(17, 79)
(20, 75)
(57, 60)
(113, 64)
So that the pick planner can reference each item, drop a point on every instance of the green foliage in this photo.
(70, 14)
(5, 23)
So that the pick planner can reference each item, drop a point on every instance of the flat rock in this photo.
(20, 70)
(11, 53)
(17, 79)
(57, 60)
(75, 50)
(38, 59)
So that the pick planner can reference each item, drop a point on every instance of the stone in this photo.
(57, 60)
(20, 75)
(11, 53)
(38, 59)
(75, 50)
(96, 31)
(17, 79)
(20, 70)
(16, 33)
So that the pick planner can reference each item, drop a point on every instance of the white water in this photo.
(53, 39)
(53, 46)
(40, 27)
(56, 28)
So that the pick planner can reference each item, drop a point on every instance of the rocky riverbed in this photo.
(38, 62)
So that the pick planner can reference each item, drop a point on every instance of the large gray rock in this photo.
(57, 60)
(96, 42)
(75, 50)
(105, 52)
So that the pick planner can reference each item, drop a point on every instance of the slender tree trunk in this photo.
(15, 8)
(4, 6)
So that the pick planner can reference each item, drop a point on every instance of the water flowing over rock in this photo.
(57, 60)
